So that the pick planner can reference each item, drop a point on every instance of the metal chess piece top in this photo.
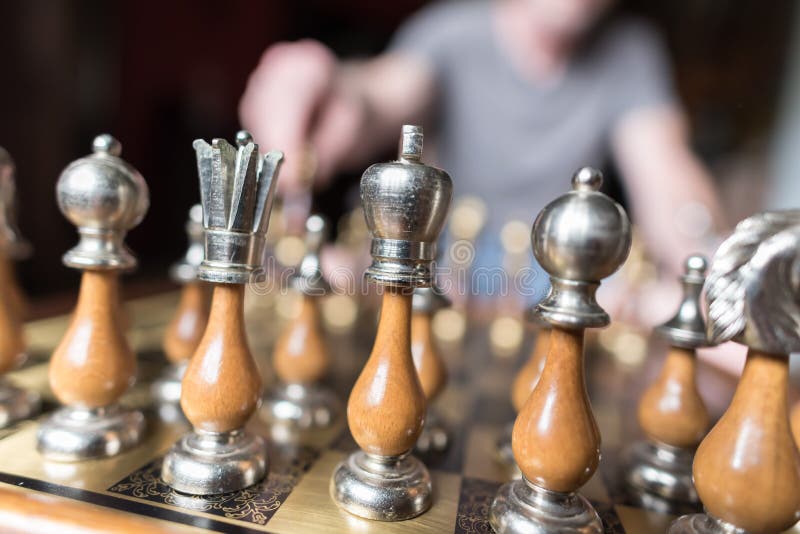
(753, 287)
(753, 297)
(104, 197)
(185, 270)
(309, 279)
(12, 244)
(687, 328)
(237, 187)
(579, 238)
(405, 205)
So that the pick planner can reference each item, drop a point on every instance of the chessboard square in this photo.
(310, 505)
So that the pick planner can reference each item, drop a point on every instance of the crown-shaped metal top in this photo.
(309, 279)
(579, 238)
(687, 328)
(185, 270)
(12, 244)
(104, 197)
(405, 205)
(237, 187)
(753, 288)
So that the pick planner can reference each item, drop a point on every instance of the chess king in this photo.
(93, 364)
(747, 469)
(222, 387)
(405, 205)
(15, 403)
(579, 239)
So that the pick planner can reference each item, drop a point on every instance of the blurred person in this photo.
(518, 95)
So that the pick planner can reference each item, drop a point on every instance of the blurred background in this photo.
(157, 75)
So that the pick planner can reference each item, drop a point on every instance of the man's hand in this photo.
(294, 102)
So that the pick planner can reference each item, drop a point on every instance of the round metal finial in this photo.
(405, 205)
(243, 137)
(185, 270)
(696, 264)
(309, 279)
(687, 328)
(104, 197)
(579, 238)
(587, 179)
(107, 144)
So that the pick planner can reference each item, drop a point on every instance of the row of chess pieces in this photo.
(745, 471)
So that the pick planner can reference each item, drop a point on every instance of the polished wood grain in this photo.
(93, 365)
(747, 470)
(671, 410)
(794, 419)
(11, 288)
(556, 441)
(221, 387)
(386, 408)
(301, 354)
(36, 513)
(528, 376)
(431, 370)
(12, 338)
(187, 326)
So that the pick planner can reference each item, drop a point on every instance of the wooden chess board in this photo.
(294, 497)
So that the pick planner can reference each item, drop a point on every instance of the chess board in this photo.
(294, 497)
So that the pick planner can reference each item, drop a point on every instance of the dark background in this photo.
(159, 74)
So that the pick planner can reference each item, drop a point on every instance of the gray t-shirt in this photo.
(516, 144)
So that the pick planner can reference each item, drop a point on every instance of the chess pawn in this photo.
(222, 387)
(15, 403)
(405, 205)
(301, 359)
(430, 367)
(579, 239)
(93, 364)
(523, 384)
(671, 412)
(747, 469)
(189, 321)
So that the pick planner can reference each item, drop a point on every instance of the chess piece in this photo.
(430, 367)
(222, 387)
(94, 365)
(189, 322)
(15, 403)
(671, 412)
(579, 239)
(301, 359)
(405, 204)
(523, 384)
(747, 469)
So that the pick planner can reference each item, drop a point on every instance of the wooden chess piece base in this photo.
(382, 481)
(674, 418)
(301, 403)
(556, 444)
(90, 369)
(219, 393)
